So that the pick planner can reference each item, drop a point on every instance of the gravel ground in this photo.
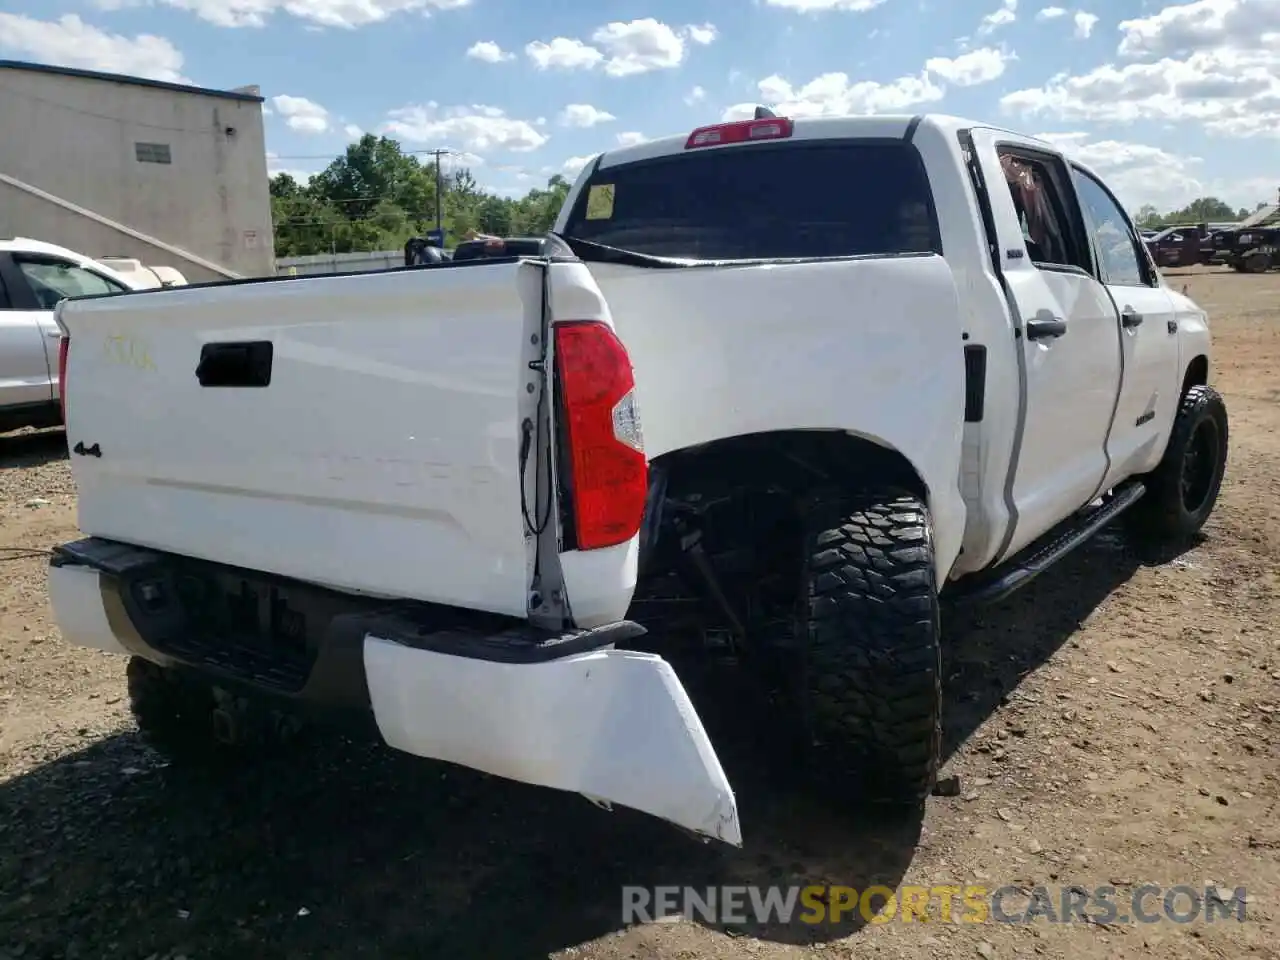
(1115, 723)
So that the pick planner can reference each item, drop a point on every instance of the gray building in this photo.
(112, 165)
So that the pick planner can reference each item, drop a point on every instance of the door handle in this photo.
(1130, 318)
(1045, 328)
(243, 364)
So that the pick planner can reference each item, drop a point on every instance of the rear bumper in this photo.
(569, 712)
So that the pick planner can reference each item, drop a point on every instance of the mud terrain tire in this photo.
(1182, 490)
(870, 661)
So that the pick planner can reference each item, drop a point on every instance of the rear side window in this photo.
(832, 198)
(54, 280)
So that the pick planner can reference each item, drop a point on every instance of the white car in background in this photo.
(34, 276)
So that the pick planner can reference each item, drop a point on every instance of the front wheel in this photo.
(869, 653)
(1183, 489)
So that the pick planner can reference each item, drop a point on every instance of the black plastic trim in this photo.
(236, 364)
(1038, 557)
(912, 127)
(975, 382)
(338, 618)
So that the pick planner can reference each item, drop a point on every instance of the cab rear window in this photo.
(829, 198)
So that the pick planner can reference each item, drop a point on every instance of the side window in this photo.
(54, 280)
(1118, 255)
(1043, 211)
(5, 302)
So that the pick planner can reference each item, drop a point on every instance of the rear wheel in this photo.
(1183, 489)
(1257, 263)
(869, 658)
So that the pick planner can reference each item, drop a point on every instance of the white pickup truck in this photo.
(879, 362)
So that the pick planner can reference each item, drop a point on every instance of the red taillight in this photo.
(64, 347)
(609, 474)
(773, 128)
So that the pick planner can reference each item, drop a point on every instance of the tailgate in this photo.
(362, 432)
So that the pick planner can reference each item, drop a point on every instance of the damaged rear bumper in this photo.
(571, 712)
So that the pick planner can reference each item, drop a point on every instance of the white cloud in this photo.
(834, 94)
(1006, 15)
(696, 95)
(301, 114)
(820, 6)
(1178, 31)
(584, 115)
(638, 46)
(573, 166)
(325, 13)
(477, 127)
(622, 48)
(1212, 62)
(70, 42)
(1051, 13)
(1141, 174)
(489, 52)
(275, 167)
(353, 131)
(701, 34)
(972, 68)
(1085, 22)
(1234, 93)
(563, 53)
(631, 138)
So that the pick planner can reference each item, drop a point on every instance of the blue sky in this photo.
(1169, 100)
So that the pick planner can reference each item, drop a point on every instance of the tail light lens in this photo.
(609, 473)
(64, 347)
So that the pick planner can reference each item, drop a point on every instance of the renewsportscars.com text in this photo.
(944, 903)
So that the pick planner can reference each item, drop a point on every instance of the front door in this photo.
(1068, 333)
(24, 368)
(1148, 333)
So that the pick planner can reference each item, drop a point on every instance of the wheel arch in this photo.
(796, 460)
(1197, 373)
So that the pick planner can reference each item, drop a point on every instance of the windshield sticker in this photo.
(600, 201)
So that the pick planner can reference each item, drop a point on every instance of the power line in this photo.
(330, 156)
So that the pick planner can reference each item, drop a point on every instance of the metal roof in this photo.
(132, 81)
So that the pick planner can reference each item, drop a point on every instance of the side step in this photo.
(983, 588)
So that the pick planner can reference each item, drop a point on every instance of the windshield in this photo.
(830, 198)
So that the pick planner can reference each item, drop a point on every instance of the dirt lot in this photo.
(1117, 723)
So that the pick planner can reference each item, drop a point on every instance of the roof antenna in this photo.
(764, 113)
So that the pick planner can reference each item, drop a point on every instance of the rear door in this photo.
(25, 373)
(1068, 329)
(1148, 334)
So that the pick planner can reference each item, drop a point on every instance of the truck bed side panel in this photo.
(868, 346)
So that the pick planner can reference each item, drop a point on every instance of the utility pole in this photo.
(439, 191)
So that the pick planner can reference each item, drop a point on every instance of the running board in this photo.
(1039, 557)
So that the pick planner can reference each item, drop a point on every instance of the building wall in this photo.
(76, 138)
(323, 263)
